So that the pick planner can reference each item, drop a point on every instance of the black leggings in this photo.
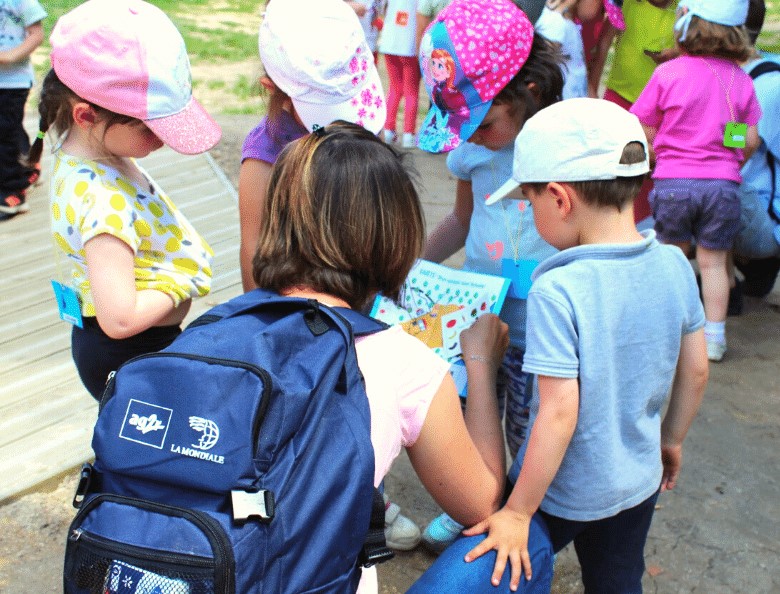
(14, 142)
(96, 354)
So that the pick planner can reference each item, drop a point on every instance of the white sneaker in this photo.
(389, 136)
(715, 350)
(408, 140)
(401, 533)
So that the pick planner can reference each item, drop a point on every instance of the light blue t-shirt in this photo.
(501, 231)
(756, 174)
(15, 17)
(612, 315)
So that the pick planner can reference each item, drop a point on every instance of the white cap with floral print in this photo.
(316, 52)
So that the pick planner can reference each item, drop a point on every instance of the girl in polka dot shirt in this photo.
(497, 73)
(136, 261)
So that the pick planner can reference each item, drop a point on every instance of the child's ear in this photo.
(83, 114)
(562, 194)
(267, 83)
(534, 88)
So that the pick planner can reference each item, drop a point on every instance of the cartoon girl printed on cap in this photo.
(452, 108)
(445, 95)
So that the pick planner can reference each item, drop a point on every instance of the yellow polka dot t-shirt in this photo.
(89, 198)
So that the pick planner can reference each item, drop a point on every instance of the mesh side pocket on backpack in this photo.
(93, 570)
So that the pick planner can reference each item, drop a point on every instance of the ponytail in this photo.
(36, 149)
(54, 110)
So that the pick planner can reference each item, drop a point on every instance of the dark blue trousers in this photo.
(611, 551)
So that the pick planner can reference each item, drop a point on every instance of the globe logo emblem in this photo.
(210, 432)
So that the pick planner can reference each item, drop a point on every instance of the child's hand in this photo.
(508, 535)
(8, 57)
(487, 338)
(663, 56)
(671, 456)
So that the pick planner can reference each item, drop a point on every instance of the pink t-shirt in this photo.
(686, 102)
(402, 376)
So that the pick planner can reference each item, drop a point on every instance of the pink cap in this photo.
(128, 57)
(467, 56)
(615, 14)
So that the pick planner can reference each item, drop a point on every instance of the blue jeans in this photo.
(611, 551)
(451, 574)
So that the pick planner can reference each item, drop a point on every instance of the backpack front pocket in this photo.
(121, 545)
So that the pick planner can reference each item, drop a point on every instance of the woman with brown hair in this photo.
(342, 221)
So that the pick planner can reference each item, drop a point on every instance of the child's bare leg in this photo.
(714, 282)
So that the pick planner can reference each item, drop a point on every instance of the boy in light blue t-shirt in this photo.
(614, 329)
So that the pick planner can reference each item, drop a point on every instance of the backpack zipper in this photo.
(134, 553)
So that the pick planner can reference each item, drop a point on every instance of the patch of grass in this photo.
(213, 85)
(245, 88)
(769, 40)
(244, 110)
(211, 45)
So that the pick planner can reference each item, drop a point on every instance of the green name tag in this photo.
(735, 135)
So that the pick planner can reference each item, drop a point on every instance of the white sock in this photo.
(715, 331)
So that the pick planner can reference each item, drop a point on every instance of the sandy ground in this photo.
(718, 532)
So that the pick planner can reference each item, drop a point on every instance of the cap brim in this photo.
(189, 132)
(507, 187)
(443, 131)
(366, 107)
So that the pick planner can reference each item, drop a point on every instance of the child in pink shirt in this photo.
(700, 113)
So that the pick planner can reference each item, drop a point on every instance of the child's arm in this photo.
(596, 68)
(552, 431)
(462, 465)
(690, 381)
(22, 51)
(450, 234)
(422, 23)
(751, 144)
(650, 133)
(253, 180)
(121, 310)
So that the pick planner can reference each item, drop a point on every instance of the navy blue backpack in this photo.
(238, 460)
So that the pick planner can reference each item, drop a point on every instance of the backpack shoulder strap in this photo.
(771, 161)
(362, 325)
(764, 67)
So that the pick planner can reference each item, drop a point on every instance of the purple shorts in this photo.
(704, 209)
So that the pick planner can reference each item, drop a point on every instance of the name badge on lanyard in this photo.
(68, 304)
(735, 135)
(519, 272)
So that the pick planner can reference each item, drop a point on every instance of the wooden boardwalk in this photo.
(46, 415)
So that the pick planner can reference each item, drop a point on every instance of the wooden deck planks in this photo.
(46, 416)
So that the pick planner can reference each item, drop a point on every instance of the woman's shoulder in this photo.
(395, 350)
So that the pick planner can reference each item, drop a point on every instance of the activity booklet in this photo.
(437, 303)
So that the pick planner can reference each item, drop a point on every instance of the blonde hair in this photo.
(341, 217)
